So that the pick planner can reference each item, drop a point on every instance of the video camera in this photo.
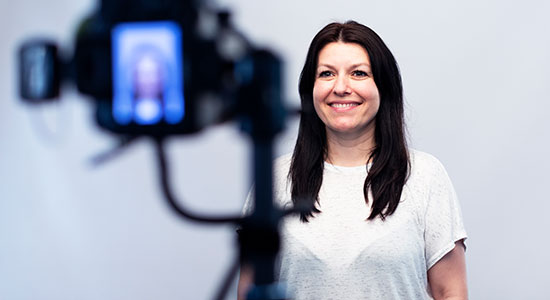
(158, 68)
(161, 67)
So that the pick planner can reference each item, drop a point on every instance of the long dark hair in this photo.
(390, 159)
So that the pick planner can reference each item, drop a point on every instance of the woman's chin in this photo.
(346, 129)
(343, 129)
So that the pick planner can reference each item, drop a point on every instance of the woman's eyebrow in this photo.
(325, 65)
(366, 64)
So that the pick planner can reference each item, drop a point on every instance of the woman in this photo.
(386, 223)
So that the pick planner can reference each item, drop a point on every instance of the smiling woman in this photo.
(345, 96)
(386, 222)
(375, 131)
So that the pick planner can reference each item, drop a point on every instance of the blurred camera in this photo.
(154, 67)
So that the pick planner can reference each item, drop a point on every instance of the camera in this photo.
(155, 68)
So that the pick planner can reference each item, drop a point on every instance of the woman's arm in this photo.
(246, 279)
(447, 278)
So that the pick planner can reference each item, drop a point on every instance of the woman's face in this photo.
(345, 96)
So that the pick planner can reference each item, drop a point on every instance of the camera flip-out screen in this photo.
(147, 73)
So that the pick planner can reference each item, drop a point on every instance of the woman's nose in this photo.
(341, 86)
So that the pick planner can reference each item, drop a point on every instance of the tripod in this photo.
(261, 117)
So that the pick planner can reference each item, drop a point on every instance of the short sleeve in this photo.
(443, 217)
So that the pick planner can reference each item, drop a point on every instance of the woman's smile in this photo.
(343, 106)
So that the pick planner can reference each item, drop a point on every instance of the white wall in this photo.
(476, 77)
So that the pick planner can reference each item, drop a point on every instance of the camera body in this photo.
(155, 67)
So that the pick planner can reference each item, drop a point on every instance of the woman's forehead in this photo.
(340, 53)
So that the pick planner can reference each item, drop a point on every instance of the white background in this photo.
(476, 78)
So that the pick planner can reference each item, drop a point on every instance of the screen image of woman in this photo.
(386, 222)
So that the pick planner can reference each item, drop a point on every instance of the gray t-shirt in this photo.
(339, 255)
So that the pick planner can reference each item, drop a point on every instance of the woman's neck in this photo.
(349, 150)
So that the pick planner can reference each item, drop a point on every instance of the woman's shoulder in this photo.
(282, 163)
(428, 180)
(281, 166)
(423, 160)
(281, 182)
(425, 165)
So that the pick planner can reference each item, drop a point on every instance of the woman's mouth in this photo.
(340, 106)
(343, 105)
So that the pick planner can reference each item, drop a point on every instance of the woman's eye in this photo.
(325, 74)
(359, 73)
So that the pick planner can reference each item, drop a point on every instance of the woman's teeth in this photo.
(343, 105)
